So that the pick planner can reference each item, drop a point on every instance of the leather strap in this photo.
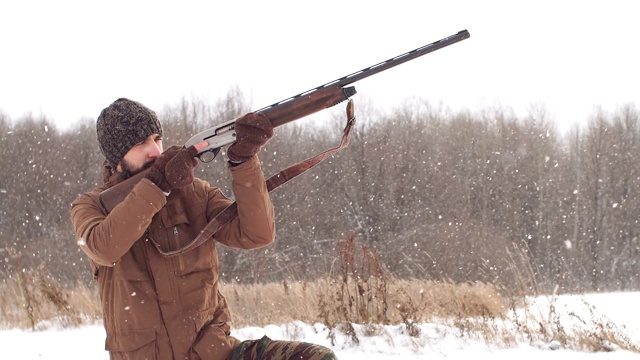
(275, 181)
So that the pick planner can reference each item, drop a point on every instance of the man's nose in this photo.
(154, 150)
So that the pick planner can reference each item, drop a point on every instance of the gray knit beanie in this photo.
(122, 125)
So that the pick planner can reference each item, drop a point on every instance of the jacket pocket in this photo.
(135, 344)
(172, 231)
(200, 259)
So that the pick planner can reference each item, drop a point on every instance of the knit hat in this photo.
(122, 125)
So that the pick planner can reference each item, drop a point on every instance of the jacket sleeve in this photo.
(254, 226)
(105, 238)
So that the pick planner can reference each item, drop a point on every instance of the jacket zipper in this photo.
(145, 252)
(177, 242)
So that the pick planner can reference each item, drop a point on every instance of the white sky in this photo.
(70, 59)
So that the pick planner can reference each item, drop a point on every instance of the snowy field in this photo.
(437, 341)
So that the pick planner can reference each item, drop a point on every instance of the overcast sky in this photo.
(70, 59)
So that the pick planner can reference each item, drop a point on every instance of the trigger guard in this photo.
(215, 154)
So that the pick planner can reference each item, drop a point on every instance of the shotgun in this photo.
(283, 112)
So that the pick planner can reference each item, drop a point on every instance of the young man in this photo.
(158, 307)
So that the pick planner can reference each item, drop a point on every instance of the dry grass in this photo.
(273, 303)
(31, 299)
(264, 304)
(474, 311)
(358, 291)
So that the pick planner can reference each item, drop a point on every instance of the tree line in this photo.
(461, 195)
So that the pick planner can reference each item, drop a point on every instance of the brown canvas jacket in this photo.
(157, 307)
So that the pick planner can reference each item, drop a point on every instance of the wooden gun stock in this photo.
(114, 195)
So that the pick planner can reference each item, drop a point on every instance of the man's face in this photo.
(142, 155)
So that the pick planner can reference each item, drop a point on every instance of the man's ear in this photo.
(119, 168)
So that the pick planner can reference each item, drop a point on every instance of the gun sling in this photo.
(272, 182)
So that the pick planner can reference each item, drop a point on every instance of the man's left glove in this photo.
(174, 168)
(253, 130)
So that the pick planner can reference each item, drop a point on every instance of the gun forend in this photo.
(279, 114)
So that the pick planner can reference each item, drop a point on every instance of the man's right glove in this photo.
(253, 130)
(173, 168)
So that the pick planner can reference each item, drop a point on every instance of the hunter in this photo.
(159, 307)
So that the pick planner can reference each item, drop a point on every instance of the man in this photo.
(158, 307)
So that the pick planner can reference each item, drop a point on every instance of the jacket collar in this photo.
(111, 176)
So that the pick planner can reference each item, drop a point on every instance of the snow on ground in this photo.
(436, 341)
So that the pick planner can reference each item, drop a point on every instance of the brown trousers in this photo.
(267, 349)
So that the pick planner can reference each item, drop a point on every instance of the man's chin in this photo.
(130, 171)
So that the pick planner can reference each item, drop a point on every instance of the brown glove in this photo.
(174, 168)
(253, 130)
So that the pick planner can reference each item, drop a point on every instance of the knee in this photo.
(326, 354)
